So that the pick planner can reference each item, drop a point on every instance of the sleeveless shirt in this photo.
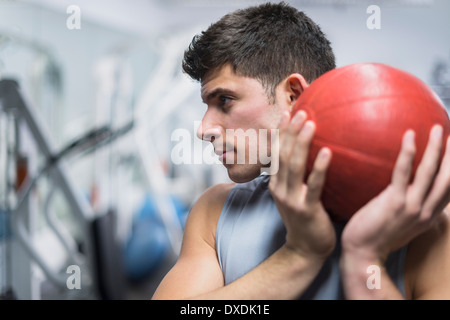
(250, 229)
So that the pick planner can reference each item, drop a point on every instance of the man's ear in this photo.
(293, 86)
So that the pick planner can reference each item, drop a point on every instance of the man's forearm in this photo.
(284, 275)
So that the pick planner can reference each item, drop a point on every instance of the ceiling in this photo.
(144, 16)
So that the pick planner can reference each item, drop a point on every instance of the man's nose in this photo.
(209, 129)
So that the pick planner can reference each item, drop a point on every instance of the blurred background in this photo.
(93, 104)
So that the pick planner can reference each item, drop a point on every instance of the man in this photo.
(268, 236)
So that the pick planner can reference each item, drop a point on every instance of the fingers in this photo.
(284, 150)
(299, 157)
(295, 140)
(439, 195)
(428, 166)
(288, 133)
(403, 166)
(429, 193)
(316, 179)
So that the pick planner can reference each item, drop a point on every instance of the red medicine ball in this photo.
(361, 112)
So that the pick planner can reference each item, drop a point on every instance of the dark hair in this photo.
(266, 42)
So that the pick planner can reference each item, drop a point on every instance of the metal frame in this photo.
(13, 100)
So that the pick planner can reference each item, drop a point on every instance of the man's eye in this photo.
(223, 101)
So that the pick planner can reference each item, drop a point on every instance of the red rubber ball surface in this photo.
(361, 112)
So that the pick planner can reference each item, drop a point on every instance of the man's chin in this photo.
(240, 173)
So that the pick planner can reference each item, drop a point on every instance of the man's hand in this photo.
(404, 210)
(401, 212)
(309, 229)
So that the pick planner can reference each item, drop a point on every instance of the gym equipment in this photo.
(361, 112)
(99, 259)
(145, 249)
(148, 244)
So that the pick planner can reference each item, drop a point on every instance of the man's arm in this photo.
(197, 269)
(197, 274)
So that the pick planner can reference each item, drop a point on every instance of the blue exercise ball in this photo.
(145, 249)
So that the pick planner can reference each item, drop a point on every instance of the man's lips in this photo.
(222, 153)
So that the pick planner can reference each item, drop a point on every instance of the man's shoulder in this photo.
(217, 192)
(434, 238)
(212, 200)
(204, 215)
(428, 259)
(222, 190)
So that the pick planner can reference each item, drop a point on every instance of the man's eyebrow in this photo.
(208, 96)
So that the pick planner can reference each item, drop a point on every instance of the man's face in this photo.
(238, 122)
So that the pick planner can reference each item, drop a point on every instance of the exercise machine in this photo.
(95, 252)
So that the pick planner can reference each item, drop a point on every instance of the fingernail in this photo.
(409, 137)
(437, 132)
(324, 153)
(308, 127)
(300, 116)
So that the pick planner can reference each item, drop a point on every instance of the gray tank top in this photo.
(250, 229)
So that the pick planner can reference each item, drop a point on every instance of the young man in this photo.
(268, 236)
